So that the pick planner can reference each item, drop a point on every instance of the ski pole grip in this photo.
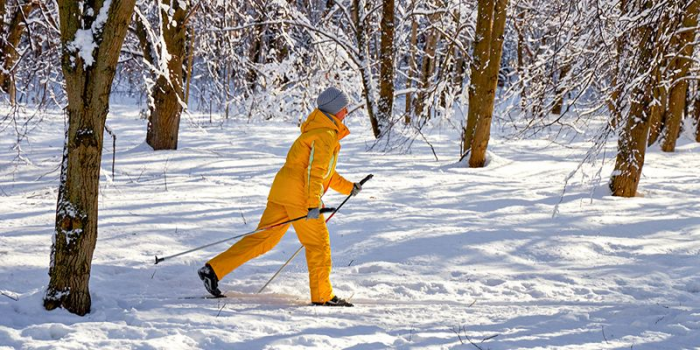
(367, 178)
(327, 210)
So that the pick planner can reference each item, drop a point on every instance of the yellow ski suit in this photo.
(306, 175)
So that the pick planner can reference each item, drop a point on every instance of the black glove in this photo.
(356, 188)
(314, 213)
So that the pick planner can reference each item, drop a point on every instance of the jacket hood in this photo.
(318, 120)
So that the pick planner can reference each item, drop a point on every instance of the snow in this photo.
(84, 42)
(433, 254)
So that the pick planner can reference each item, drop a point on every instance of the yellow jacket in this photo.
(310, 166)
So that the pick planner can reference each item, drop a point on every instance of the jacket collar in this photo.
(318, 119)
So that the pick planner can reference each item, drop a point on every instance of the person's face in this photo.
(341, 115)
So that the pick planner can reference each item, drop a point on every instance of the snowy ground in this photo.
(434, 255)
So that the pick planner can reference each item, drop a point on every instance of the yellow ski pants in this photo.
(312, 233)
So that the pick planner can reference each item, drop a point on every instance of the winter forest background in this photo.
(564, 104)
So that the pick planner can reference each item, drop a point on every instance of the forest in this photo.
(438, 79)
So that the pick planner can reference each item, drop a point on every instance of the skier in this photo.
(296, 191)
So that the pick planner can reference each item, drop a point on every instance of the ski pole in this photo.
(323, 211)
(362, 182)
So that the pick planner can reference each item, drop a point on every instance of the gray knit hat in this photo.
(332, 100)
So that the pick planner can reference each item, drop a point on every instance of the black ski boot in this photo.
(336, 302)
(211, 282)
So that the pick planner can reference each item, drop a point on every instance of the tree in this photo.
(647, 39)
(412, 65)
(386, 62)
(92, 33)
(561, 89)
(488, 48)
(613, 102)
(428, 62)
(658, 110)
(165, 54)
(10, 43)
(696, 114)
(362, 34)
(679, 67)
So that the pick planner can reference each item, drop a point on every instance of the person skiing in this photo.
(307, 174)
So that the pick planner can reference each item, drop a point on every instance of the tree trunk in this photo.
(632, 147)
(427, 67)
(257, 49)
(190, 62)
(3, 34)
(444, 73)
(3, 11)
(485, 87)
(561, 90)
(658, 110)
(613, 102)
(480, 59)
(632, 142)
(88, 86)
(696, 112)
(697, 120)
(681, 67)
(412, 67)
(458, 73)
(386, 62)
(227, 79)
(521, 50)
(8, 46)
(365, 68)
(327, 8)
(519, 23)
(167, 93)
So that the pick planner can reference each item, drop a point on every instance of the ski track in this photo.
(433, 254)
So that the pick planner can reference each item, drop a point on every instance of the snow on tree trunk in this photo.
(92, 33)
(386, 62)
(488, 48)
(680, 67)
(167, 94)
